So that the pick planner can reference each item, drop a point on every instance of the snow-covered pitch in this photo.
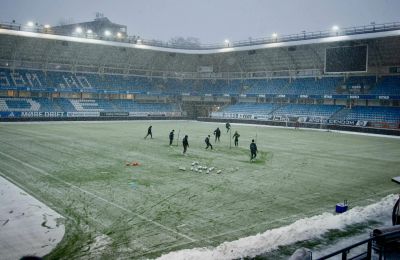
(114, 208)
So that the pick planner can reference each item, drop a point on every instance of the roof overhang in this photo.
(343, 38)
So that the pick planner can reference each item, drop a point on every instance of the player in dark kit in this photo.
(207, 140)
(253, 150)
(217, 134)
(236, 136)
(149, 133)
(185, 143)
(171, 137)
(228, 127)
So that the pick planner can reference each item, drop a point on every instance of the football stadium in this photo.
(102, 144)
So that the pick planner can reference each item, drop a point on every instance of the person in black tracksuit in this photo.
(185, 143)
(253, 150)
(149, 133)
(217, 134)
(207, 140)
(228, 127)
(171, 137)
(236, 136)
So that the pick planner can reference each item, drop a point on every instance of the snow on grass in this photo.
(86, 179)
(303, 229)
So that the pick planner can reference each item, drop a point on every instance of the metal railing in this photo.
(344, 252)
(372, 28)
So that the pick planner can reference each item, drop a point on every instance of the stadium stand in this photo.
(337, 112)
(312, 86)
(81, 105)
(388, 85)
(376, 114)
(62, 75)
(263, 86)
(358, 84)
(251, 108)
(35, 79)
(307, 110)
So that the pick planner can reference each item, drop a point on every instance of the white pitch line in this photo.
(3, 175)
(98, 197)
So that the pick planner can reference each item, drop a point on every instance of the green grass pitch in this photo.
(79, 169)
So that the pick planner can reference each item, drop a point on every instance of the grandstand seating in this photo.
(359, 84)
(311, 86)
(264, 86)
(372, 114)
(307, 110)
(81, 105)
(283, 110)
(251, 108)
(376, 114)
(388, 85)
(36, 79)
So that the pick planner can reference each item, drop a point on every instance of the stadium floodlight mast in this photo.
(78, 30)
(336, 29)
(227, 42)
(274, 36)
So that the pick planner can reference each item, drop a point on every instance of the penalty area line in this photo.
(98, 197)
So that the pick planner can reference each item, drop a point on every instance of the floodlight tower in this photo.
(274, 36)
(227, 42)
(336, 29)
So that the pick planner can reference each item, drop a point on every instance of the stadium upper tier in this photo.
(85, 82)
(295, 56)
(349, 31)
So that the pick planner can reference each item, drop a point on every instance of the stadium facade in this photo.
(345, 78)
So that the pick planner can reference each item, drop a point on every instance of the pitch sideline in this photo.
(98, 197)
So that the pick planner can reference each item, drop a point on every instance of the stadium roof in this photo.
(49, 52)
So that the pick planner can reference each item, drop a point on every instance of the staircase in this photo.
(342, 113)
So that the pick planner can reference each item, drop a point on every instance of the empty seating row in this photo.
(372, 113)
(81, 105)
(36, 79)
(307, 110)
(376, 114)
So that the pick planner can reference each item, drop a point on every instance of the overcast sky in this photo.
(211, 21)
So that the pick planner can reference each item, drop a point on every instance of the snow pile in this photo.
(303, 229)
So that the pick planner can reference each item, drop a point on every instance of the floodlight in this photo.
(30, 24)
(89, 31)
(226, 43)
(47, 26)
(78, 30)
(139, 41)
(335, 28)
(107, 33)
(274, 35)
(119, 35)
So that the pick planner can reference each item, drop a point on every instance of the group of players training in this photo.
(217, 134)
